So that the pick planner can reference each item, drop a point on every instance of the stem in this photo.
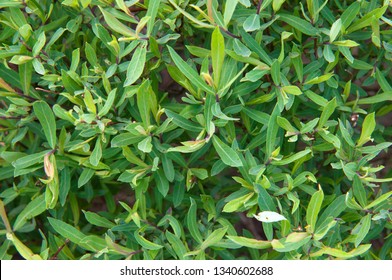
(10, 117)
(54, 257)
(229, 33)
(259, 7)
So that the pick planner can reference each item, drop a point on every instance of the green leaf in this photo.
(252, 23)
(152, 11)
(368, 126)
(126, 139)
(340, 253)
(162, 182)
(217, 54)
(258, 116)
(213, 238)
(264, 199)
(189, 72)
(299, 24)
(116, 25)
(329, 109)
(177, 245)
(96, 155)
(29, 160)
(21, 59)
(272, 131)
(381, 97)
(22, 249)
(67, 231)
(346, 43)
(241, 49)
(324, 227)
(183, 122)
(379, 200)
(294, 90)
(365, 224)
(192, 223)
(91, 55)
(275, 72)
(34, 208)
(229, 10)
(335, 29)
(46, 118)
(350, 14)
(85, 176)
(226, 153)
(97, 220)
(146, 244)
(143, 99)
(359, 191)
(25, 75)
(320, 79)
(249, 242)
(367, 19)
(237, 203)
(108, 104)
(255, 47)
(292, 158)
(136, 65)
(285, 124)
(313, 209)
(145, 145)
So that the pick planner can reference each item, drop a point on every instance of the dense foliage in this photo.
(161, 129)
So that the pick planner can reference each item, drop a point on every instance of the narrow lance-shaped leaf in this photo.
(314, 208)
(46, 118)
(192, 223)
(214, 238)
(116, 25)
(229, 10)
(299, 24)
(226, 153)
(146, 244)
(34, 208)
(368, 126)
(217, 54)
(327, 112)
(189, 72)
(136, 65)
(152, 12)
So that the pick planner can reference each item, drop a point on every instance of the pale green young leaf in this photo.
(368, 126)
(217, 54)
(229, 11)
(335, 30)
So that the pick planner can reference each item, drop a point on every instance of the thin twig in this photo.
(11, 117)
(54, 257)
(229, 33)
(259, 7)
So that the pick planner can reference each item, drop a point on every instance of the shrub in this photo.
(184, 129)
